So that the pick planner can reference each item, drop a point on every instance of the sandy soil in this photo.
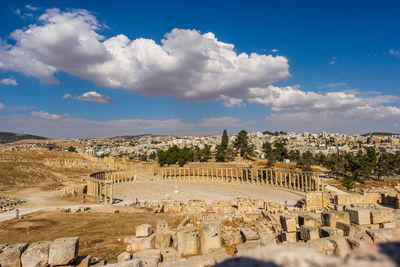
(208, 191)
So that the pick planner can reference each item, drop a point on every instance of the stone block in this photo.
(131, 263)
(149, 257)
(163, 240)
(63, 251)
(360, 216)
(267, 238)
(36, 255)
(331, 218)
(144, 230)
(83, 261)
(288, 224)
(327, 231)
(308, 233)
(385, 235)
(124, 256)
(11, 255)
(245, 247)
(342, 248)
(289, 237)
(351, 230)
(387, 225)
(188, 240)
(169, 254)
(381, 216)
(210, 236)
(307, 220)
(322, 245)
(373, 226)
(248, 234)
(141, 243)
(219, 254)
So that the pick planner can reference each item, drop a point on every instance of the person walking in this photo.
(17, 213)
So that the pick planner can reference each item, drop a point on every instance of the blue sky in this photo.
(99, 68)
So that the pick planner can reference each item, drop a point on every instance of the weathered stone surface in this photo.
(267, 238)
(308, 233)
(341, 246)
(384, 235)
(144, 230)
(387, 225)
(360, 216)
(63, 251)
(289, 237)
(218, 254)
(2, 246)
(331, 218)
(83, 261)
(149, 257)
(188, 240)
(245, 247)
(11, 255)
(131, 263)
(288, 224)
(36, 255)
(381, 216)
(327, 231)
(248, 234)
(210, 236)
(169, 254)
(322, 245)
(351, 230)
(163, 239)
(124, 256)
(307, 220)
(141, 243)
(200, 261)
(175, 263)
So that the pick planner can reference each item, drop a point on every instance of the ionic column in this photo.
(111, 194)
(306, 187)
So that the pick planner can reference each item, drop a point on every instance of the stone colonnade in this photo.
(100, 184)
(68, 163)
(294, 180)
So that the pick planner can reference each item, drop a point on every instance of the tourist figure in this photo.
(17, 213)
(286, 205)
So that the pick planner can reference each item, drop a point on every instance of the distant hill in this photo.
(13, 137)
(380, 133)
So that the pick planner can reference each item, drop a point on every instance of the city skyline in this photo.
(86, 70)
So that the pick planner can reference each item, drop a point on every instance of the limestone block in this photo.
(188, 240)
(308, 233)
(267, 238)
(373, 226)
(322, 245)
(245, 247)
(289, 237)
(248, 234)
(131, 263)
(200, 261)
(387, 225)
(162, 227)
(141, 243)
(384, 235)
(341, 246)
(149, 257)
(331, 218)
(351, 230)
(63, 251)
(144, 230)
(219, 254)
(174, 263)
(360, 216)
(83, 261)
(210, 236)
(169, 254)
(163, 239)
(11, 255)
(381, 216)
(288, 224)
(307, 220)
(124, 256)
(327, 231)
(36, 255)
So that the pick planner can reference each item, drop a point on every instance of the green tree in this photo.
(71, 149)
(242, 145)
(222, 148)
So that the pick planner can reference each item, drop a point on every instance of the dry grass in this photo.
(98, 231)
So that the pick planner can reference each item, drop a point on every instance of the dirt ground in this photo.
(101, 233)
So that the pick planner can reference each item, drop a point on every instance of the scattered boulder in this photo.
(248, 234)
(124, 256)
(144, 230)
(11, 255)
(63, 251)
(384, 235)
(36, 255)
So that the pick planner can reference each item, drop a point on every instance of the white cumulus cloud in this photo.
(47, 116)
(2, 106)
(66, 96)
(95, 97)
(187, 64)
(9, 81)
